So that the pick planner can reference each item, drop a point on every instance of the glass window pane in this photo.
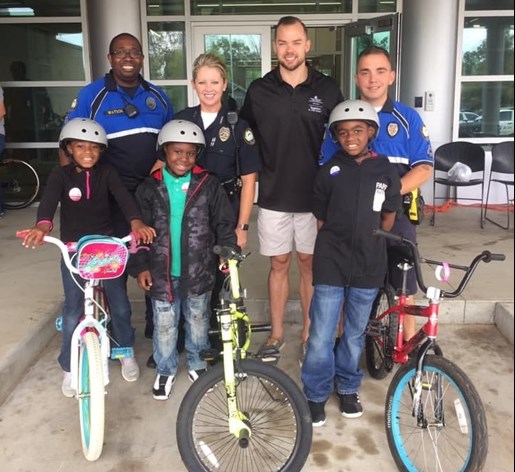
(272, 7)
(178, 94)
(377, 6)
(43, 52)
(165, 7)
(241, 54)
(36, 114)
(492, 102)
(41, 8)
(167, 51)
(488, 5)
(488, 46)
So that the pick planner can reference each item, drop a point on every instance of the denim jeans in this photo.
(323, 370)
(195, 311)
(122, 332)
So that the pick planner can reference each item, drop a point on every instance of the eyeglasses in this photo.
(123, 53)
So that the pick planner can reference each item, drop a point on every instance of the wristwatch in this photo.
(244, 227)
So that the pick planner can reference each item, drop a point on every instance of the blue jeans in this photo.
(323, 370)
(195, 311)
(122, 331)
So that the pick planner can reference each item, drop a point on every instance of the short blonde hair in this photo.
(209, 60)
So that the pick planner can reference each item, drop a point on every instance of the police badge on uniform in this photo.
(392, 129)
(151, 103)
(224, 133)
(248, 136)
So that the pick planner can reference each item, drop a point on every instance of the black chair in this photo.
(502, 163)
(470, 154)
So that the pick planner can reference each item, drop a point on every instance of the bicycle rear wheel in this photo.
(91, 397)
(277, 410)
(20, 183)
(380, 335)
(449, 430)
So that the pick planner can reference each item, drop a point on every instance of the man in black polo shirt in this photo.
(288, 109)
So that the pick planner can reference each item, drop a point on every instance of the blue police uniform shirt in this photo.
(132, 122)
(402, 137)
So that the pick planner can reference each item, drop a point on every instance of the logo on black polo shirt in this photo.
(315, 105)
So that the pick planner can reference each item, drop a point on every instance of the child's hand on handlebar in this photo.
(144, 234)
(35, 235)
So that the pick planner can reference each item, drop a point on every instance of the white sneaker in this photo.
(66, 386)
(130, 369)
(163, 386)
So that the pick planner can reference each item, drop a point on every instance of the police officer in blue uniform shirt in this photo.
(132, 111)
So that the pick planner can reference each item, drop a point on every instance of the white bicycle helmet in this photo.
(354, 110)
(82, 129)
(181, 131)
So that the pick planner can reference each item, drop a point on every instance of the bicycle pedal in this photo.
(269, 355)
(122, 352)
(375, 328)
(209, 355)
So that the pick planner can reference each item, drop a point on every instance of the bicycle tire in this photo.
(278, 413)
(91, 397)
(20, 183)
(379, 348)
(451, 433)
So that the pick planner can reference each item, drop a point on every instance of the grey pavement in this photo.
(39, 428)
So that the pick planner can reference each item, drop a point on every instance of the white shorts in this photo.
(277, 230)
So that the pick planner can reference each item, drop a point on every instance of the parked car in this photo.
(468, 125)
(504, 125)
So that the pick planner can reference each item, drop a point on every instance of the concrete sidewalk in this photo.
(31, 292)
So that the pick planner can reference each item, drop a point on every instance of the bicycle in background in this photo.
(20, 183)
(96, 258)
(242, 415)
(434, 417)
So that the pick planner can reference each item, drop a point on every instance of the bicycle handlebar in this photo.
(228, 252)
(485, 256)
(70, 247)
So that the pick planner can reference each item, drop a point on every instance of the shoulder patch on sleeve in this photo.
(74, 104)
(424, 132)
(248, 137)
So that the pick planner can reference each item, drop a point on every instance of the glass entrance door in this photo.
(245, 51)
(357, 36)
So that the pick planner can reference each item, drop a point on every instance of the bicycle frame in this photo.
(238, 421)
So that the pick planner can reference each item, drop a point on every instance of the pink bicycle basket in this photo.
(101, 257)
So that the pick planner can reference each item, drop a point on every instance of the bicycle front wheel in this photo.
(449, 430)
(278, 414)
(20, 183)
(91, 397)
(380, 335)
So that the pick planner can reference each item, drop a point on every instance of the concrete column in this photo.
(106, 19)
(428, 49)
(428, 61)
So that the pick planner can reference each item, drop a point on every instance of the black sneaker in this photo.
(350, 406)
(163, 386)
(317, 410)
(195, 374)
(151, 363)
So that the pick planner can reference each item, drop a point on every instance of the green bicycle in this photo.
(243, 415)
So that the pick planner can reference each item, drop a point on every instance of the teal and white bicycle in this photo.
(96, 258)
